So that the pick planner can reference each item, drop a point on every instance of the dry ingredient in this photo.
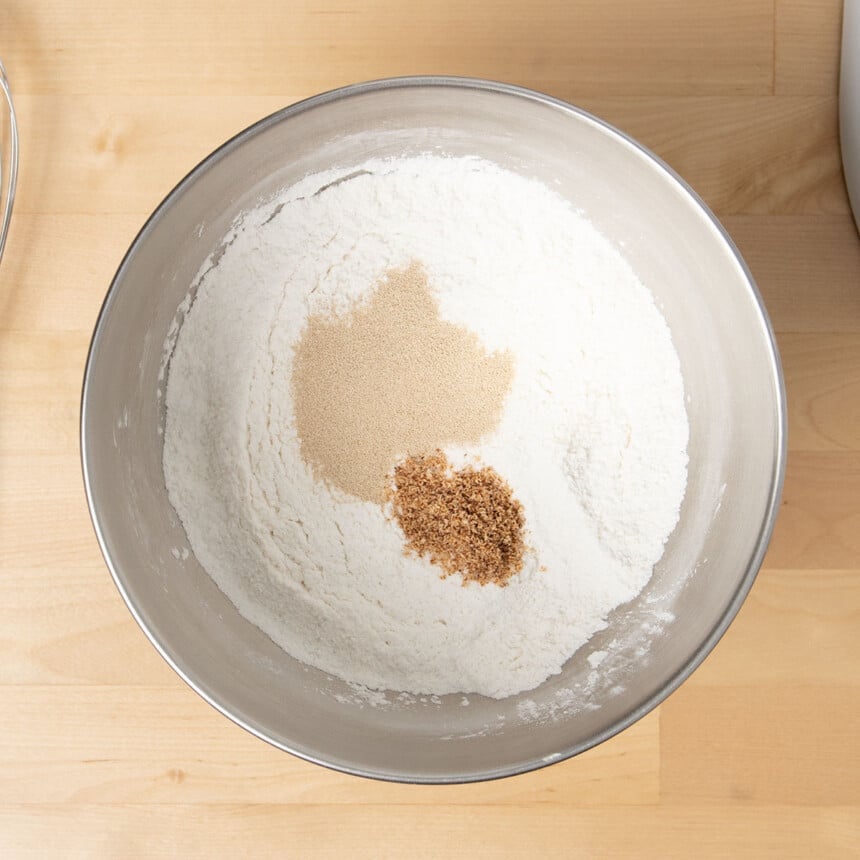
(590, 435)
(391, 377)
(466, 521)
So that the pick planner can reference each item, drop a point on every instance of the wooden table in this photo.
(105, 752)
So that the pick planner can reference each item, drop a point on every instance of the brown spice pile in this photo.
(465, 521)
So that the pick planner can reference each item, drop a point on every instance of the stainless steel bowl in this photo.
(736, 405)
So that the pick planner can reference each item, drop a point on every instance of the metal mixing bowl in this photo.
(736, 406)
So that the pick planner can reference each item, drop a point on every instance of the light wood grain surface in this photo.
(104, 752)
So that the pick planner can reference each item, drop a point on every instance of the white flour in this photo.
(592, 438)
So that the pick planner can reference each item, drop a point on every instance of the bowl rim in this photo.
(762, 540)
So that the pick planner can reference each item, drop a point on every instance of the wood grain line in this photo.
(372, 831)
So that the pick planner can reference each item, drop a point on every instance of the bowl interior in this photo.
(733, 389)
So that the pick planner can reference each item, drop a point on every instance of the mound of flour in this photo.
(592, 438)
